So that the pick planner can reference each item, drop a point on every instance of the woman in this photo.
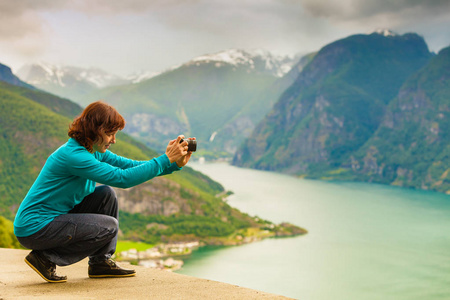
(65, 217)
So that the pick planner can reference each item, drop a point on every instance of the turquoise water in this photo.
(365, 241)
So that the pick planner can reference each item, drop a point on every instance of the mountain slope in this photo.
(242, 124)
(6, 75)
(412, 145)
(335, 105)
(198, 98)
(181, 204)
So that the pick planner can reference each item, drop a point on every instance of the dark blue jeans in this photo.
(89, 229)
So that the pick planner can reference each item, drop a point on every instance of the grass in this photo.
(127, 245)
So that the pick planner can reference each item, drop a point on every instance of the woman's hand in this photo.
(184, 160)
(177, 152)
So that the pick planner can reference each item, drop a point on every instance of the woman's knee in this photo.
(108, 191)
(114, 225)
(110, 227)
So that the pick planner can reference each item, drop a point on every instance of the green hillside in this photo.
(197, 99)
(338, 119)
(335, 105)
(7, 237)
(412, 145)
(56, 104)
(30, 131)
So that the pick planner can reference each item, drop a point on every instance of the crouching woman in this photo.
(65, 217)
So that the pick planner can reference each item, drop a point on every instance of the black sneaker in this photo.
(45, 268)
(108, 268)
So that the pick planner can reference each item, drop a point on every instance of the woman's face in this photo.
(103, 143)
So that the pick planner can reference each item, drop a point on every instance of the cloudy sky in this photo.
(123, 37)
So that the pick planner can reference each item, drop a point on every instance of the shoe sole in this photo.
(112, 276)
(46, 279)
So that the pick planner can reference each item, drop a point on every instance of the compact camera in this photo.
(192, 144)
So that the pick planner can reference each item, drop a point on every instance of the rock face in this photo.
(153, 128)
(335, 104)
(339, 119)
(411, 146)
(159, 196)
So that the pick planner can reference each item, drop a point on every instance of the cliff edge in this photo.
(19, 281)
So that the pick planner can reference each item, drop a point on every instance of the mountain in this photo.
(6, 75)
(411, 147)
(186, 204)
(201, 98)
(335, 105)
(242, 124)
(141, 76)
(257, 61)
(67, 81)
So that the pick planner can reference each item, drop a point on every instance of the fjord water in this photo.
(365, 241)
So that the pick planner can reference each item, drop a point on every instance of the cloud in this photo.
(345, 10)
(176, 30)
(22, 29)
(19, 19)
(203, 15)
(429, 18)
(129, 6)
(245, 23)
(16, 21)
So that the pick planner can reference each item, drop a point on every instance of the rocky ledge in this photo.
(18, 281)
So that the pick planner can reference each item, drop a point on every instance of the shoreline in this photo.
(169, 256)
(328, 178)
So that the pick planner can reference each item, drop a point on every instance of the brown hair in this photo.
(96, 117)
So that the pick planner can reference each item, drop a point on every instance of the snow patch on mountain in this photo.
(258, 60)
(385, 32)
(141, 76)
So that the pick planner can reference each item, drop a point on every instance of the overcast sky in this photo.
(123, 37)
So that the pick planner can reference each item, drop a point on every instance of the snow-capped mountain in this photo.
(81, 84)
(260, 61)
(48, 74)
(70, 82)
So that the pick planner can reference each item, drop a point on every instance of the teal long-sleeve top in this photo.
(71, 173)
